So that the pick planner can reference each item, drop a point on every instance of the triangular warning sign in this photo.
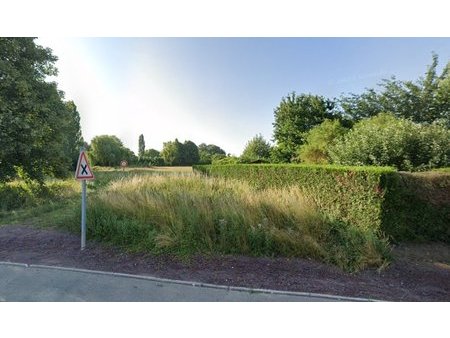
(84, 171)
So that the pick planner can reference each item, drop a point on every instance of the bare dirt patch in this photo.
(419, 272)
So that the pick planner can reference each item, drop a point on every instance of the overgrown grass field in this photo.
(182, 213)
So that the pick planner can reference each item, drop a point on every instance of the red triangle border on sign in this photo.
(91, 177)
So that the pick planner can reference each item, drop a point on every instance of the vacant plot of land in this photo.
(419, 272)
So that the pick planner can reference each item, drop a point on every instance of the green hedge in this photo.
(417, 206)
(374, 198)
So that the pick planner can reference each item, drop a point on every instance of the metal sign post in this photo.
(83, 214)
(82, 174)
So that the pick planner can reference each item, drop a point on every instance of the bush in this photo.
(224, 160)
(318, 140)
(386, 140)
(21, 194)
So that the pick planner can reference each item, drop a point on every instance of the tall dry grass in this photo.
(192, 214)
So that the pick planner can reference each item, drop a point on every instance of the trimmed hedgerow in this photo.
(350, 194)
(376, 198)
(417, 206)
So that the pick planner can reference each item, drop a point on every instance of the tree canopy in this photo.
(294, 116)
(108, 150)
(318, 140)
(424, 101)
(141, 146)
(256, 150)
(209, 151)
(39, 132)
(179, 154)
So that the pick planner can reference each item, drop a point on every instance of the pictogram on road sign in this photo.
(84, 171)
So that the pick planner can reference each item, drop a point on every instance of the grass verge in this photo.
(192, 214)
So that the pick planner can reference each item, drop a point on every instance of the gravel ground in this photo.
(419, 272)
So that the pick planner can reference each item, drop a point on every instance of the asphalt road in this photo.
(36, 283)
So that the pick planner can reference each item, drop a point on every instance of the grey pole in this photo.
(83, 214)
(83, 210)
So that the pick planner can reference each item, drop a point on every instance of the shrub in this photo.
(224, 160)
(318, 140)
(21, 194)
(387, 140)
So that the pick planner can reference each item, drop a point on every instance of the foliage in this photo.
(417, 207)
(387, 140)
(172, 152)
(39, 132)
(72, 130)
(21, 194)
(141, 151)
(349, 194)
(257, 149)
(295, 115)
(108, 150)
(190, 215)
(225, 160)
(318, 140)
(189, 154)
(207, 152)
(180, 154)
(425, 101)
(152, 157)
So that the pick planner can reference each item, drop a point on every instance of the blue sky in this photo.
(219, 90)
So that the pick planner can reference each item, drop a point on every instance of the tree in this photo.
(256, 150)
(72, 130)
(189, 154)
(424, 101)
(108, 150)
(177, 154)
(39, 132)
(141, 146)
(318, 140)
(295, 115)
(171, 153)
(207, 152)
(152, 157)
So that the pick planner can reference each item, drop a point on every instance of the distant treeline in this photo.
(404, 124)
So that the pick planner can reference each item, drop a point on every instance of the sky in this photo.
(220, 91)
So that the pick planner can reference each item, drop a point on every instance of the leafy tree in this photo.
(387, 140)
(207, 152)
(177, 154)
(151, 153)
(256, 150)
(295, 115)
(318, 140)
(190, 154)
(424, 101)
(152, 157)
(72, 131)
(172, 152)
(141, 146)
(39, 132)
(108, 150)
